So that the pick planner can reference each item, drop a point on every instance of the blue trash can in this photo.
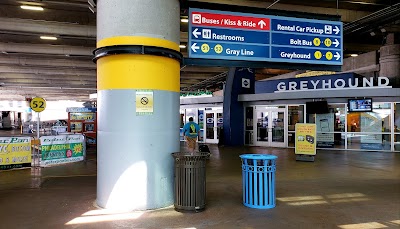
(258, 174)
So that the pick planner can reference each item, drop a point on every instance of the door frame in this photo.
(215, 140)
(270, 142)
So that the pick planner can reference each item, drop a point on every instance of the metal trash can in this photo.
(258, 174)
(190, 181)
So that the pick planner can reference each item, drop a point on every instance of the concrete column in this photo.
(390, 61)
(239, 81)
(135, 166)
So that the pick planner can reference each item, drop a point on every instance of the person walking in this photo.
(191, 132)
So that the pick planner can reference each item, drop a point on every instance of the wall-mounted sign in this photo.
(256, 37)
(328, 82)
(144, 102)
(38, 104)
(245, 83)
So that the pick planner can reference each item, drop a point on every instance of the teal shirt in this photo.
(191, 129)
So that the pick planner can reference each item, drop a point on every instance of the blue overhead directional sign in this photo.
(255, 37)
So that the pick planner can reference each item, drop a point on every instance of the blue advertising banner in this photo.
(255, 37)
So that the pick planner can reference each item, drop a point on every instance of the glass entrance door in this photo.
(214, 123)
(270, 127)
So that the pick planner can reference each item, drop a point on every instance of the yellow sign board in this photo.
(82, 116)
(38, 104)
(15, 152)
(144, 102)
(306, 139)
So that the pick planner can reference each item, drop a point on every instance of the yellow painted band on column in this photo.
(138, 40)
(131, 71)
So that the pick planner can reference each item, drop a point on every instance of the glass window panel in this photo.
(249, 118)
(376, 121)
(210, 125)
(397, 142)
(295, 115)
(368, 141)
(262, 126)
(277, 127)
(396, 128)
(249, 138)
(291, 138)
(180, 134)
(182, 118)
(397, 117)
(191, 112)
(201, 136)
(339, 111)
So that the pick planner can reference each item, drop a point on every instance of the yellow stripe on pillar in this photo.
(138, 40)
(136, 71)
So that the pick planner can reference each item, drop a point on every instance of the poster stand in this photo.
(303, 157)
(305, 142)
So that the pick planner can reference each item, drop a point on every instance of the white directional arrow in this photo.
(336, 43)
(262, 23)
(196, 33)
(337, 56)
(336, 30)
(194, 47)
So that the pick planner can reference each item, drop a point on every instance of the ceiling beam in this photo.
(45, 71)
(48, 62)
(46, 27)
(346, 15)
(197, 69)
(51, 77)
(46, 49)
(56, 83)
(200, 76)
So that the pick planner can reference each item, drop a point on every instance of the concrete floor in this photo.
(341, 189)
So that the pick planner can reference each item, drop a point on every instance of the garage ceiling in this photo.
(63, 69)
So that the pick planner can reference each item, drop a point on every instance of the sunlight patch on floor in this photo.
(333, 198)
(91, 217)
(369, 225)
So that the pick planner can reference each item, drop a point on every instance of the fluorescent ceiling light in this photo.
(38, 8)
(48, 38)
(182, 46)
(93, 96)
(184, 20)
(354, 55)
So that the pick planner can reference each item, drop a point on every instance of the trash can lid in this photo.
(258, 156)
(188, 155)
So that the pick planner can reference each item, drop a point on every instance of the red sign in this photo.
(230, 21)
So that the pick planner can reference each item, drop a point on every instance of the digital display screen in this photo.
(360, 105)
(317, 107)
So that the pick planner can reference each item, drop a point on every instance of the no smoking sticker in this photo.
(144, 102)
